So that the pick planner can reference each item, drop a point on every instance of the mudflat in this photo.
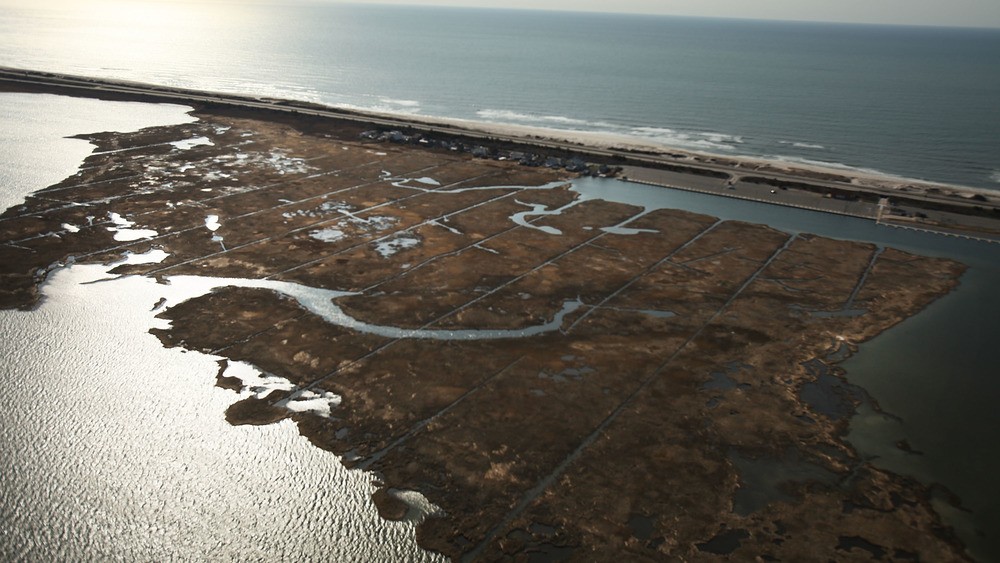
(564, 378)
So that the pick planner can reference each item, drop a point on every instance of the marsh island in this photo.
(561, 375)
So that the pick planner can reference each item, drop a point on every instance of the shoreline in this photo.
(913, 197)
(688, 320)
(611, 141)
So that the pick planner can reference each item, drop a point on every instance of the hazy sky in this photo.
(965, 13)
(979, 13)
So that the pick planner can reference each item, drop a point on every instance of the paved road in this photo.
(755, 192)
(810, 200)
(146, 91)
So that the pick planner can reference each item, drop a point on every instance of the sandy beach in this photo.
(909, 203)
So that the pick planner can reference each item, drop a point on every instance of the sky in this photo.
(966, 13)
(960, 13)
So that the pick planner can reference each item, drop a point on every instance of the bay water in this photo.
(113, 448)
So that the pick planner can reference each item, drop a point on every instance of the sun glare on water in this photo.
(139, 24)
(126, 35)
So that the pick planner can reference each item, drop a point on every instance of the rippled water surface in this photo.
(113, 448)
(34, 147)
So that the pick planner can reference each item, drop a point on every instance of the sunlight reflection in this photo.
(136, 34)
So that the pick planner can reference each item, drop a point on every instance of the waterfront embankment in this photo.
(952, 210)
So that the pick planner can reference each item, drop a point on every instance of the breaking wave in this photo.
(802, 145)
(696, 140)
(835, 166)
(507, 116)
(403, 103)
(693, 140)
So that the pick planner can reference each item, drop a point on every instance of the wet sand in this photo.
(688, 407)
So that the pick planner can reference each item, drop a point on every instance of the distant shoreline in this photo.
(940, 207)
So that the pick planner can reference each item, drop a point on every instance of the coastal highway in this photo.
(92, 87)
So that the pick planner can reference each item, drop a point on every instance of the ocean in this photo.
(912, 102)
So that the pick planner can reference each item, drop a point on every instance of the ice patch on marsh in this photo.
(259, 385)
(123, 232)
(350, 223)
(327, 235)
(427, 180)
(130, 235)
(312, 401)
(325, 209)
(191, 143)
(117, 219)
(280, 161)
(420, 507)
(390, 247)
(153, 256)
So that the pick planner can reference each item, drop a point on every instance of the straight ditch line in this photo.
(709, 257)
(458, 309)
(135, 148)
(436, 257)
(423, 423)
(864, 277)
(536, 491)
(366, 210)
(149, 157)
(645, 272)
(112, 198)
(272, 237)
(272, 328)
(200, 202)
(386, 345)
(250, 337)
(50, 190)
(197, 227)
(162, 189)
